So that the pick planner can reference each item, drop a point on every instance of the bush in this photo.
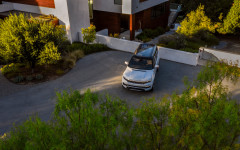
(89, 34)
(34, 41)
(39, 77)
(69, 62)
(60, 72)
(9, 68)
(149, 34)
(88, 48)
(18, 79)
(29, 78)
(207, 37)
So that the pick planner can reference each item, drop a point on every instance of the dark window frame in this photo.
(158, 10)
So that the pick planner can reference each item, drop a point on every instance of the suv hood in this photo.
(138, 75)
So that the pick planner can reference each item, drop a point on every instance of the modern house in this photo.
(115, 15)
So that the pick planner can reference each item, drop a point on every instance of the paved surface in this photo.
(101, 72)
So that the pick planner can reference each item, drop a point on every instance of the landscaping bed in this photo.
(23, 74)
(149, 34)
(188, 44)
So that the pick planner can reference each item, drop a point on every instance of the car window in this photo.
(141, 63)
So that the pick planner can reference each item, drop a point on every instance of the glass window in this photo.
(141, 63)
(158, 10)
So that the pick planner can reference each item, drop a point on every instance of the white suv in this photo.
(141, 69)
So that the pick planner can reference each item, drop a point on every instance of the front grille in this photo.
(136, 82)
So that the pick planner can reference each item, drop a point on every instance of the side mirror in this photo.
(157, 66)
(126, 63)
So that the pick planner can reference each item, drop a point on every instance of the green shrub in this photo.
(34, 41)
(69, 62)
(60, 72)
(18, 79)
(9, 68)
(149, 34)
(207, 37)
(39, 77)
(89, 34)
(29, 78)
(88, 48)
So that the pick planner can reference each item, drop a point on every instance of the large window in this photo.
(118, 2)
(158, 10)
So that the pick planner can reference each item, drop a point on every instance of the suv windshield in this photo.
(141, 63)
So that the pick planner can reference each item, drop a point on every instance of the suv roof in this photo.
(145, 50)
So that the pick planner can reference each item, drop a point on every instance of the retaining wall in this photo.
(218, 55)
(179, 56)
(5, 7)
(131, 46)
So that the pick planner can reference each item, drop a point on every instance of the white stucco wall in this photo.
(107, 5)
(6, 7)
(118, 44)
(178, 56)
(131, 46)
(218, 55)
(78, 11)
(134, 6)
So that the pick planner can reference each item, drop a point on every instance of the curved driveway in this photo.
(101, 72)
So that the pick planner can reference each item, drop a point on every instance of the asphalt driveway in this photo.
(101, 72)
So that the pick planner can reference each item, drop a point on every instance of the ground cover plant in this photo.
(204, 116)
(148, 34)
(34, 51)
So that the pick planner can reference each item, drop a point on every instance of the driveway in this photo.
(101, 72)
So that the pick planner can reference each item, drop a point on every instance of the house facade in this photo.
(120, 15)
(114, 15)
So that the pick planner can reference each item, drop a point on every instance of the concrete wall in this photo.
(179, 56)
(78, 11)
(6, 7)
(131, 46)
(118, 44)
(217, 55)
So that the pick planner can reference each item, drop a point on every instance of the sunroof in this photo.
(145, 50)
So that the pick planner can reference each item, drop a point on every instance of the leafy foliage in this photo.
(30, 40)
(204, 116)
(232, 21)
(89, 34)
(149, 34)
(196, 21)
(213, 8)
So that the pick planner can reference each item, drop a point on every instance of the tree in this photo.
(232, 21)
(30, 40)
(213, 8)
(196, 21)
(89, 34)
